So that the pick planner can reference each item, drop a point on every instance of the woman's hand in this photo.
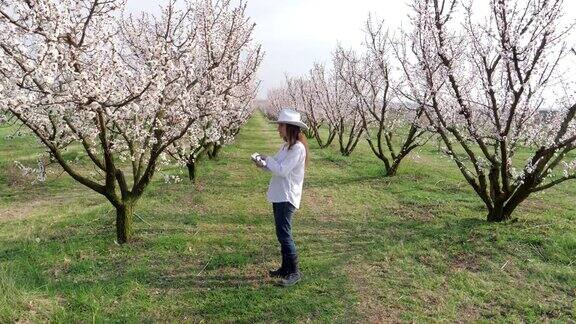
(260, 161)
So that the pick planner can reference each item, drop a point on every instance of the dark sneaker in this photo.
(281, 272)
(291, 279)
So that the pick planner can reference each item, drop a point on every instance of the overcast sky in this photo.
(296, 33)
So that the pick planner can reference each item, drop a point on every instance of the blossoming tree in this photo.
(226, 35)
(392, 128)
(491, 92)
(326, 101)
(118, 90)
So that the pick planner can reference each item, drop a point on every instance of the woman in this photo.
(285, 190)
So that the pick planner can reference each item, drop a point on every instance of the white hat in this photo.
(292, 117)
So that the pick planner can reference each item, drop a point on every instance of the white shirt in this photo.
(287, 168)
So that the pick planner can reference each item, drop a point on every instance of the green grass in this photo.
(415, 247)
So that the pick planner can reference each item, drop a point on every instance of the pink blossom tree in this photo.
(301, 92)
(226, 38)
(489, 91)
(327, 94)
(392, 128)
(340, 105)
(241, 111)
(123, 89)
(325, 100)
(276, 99)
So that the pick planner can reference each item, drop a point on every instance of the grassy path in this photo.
(412, 248)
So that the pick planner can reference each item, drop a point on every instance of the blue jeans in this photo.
(283, 213)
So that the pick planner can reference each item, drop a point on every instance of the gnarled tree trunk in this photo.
(213, 151)
(124, 215)
(191, 166)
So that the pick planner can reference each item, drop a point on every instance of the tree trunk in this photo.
(309, 133)
(351, 142)
(215, 151)
(499, 212)
(331, 136)
(497, 215)
(318, 138)
(391, 171)
(191, 165)
(124, 214)
(503, 211)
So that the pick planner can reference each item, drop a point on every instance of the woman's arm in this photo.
(264, 157)
(293, 158)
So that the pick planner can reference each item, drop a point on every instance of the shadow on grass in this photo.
(85, 271)
(194, 281)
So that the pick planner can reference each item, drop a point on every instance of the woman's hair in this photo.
(294, 134)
